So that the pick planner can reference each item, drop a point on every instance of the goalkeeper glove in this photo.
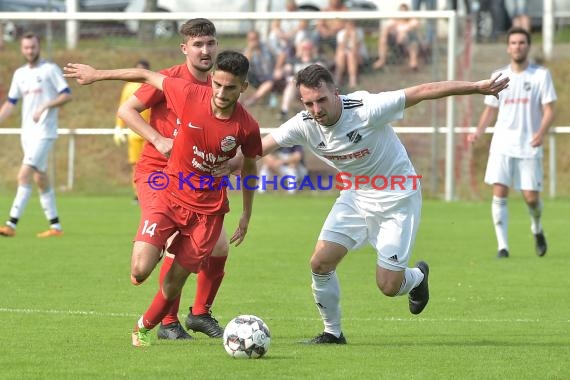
(119, 137)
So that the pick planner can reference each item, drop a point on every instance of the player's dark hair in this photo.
(313, 76)
(232, 62)
(31, 36)
(518, 30)
(143, 63)
(197, 27)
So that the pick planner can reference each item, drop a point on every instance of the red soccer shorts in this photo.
(198, 232)
(145, 194)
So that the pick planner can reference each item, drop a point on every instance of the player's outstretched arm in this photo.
(85, 74)
(437, 90)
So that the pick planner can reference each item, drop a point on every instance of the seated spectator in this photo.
(518, 12)
(430, 5)
(328, 29)
(262, 65)
(307, 54)
(350, 53)
(286, 161)
(402, 36)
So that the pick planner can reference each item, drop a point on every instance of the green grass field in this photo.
(67, 305)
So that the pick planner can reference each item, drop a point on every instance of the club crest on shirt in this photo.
(526, 86)
(228, 143)
(354, 137)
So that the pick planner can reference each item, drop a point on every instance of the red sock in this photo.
(207, 284)
(157, 310)
(172, 315)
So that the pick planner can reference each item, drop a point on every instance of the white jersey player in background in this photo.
(43, 89)
(524, 113)
(352, 133)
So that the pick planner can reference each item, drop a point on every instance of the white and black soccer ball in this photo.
(246, 336)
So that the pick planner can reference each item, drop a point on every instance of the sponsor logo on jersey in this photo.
(321, 145)
(349, 156)
(190, 125)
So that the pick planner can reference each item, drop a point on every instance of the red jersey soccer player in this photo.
(200, 48)
(212, 126)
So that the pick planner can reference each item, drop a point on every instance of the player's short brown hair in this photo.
(197, 27)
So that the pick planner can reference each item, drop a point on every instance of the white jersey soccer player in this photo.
(518, 120)
(520, 110)
(43, 89)
(381, 198)
(362, 143)
(37, 85)
(524, 113)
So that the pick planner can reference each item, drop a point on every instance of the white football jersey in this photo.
(361, 143)
(520, 110)
(36, 86)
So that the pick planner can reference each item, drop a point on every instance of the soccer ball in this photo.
(246, 336)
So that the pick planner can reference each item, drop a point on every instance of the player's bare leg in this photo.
(144, 258)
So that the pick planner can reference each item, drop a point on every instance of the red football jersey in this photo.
(161, 118)
(203, 141)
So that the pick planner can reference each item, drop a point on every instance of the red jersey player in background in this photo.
(212, 126)
(199, 46)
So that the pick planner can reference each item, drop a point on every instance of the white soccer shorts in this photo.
(36, 152)
(390, 227)
(518, 173)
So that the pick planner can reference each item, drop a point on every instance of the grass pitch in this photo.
(67, 306)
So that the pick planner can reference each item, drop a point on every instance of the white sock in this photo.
(20, 201)
(412, 278)
(501, 220)
(535, 214)
(326, 291)
(47, 201)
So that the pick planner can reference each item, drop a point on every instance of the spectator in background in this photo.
(454, 6)
(43, 89)
(285, 162)
(135, 141)
(307, 54)
(262, 68)
(518, 12)
(430, 5)
(328, 29)
(401, 36)
(290, 26)
(350, 53)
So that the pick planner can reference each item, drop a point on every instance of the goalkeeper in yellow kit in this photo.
(135, 142)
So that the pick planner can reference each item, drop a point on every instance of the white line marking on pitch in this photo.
(384, 319)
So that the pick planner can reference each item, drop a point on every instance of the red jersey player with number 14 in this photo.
(212, 126)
